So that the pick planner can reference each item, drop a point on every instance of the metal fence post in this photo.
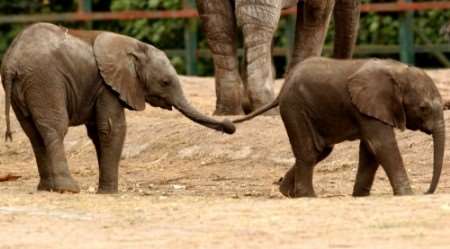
(190, 40)
(406, 36)
(85, 6)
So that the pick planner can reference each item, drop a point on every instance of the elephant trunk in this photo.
(438, 149)
(190, 112)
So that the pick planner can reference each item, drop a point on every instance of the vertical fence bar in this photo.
(190, 40)
(85, 6)
(406, 36)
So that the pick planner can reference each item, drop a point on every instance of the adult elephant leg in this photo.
(367, 168)
(346, 18)
(219, 25)
(313, 18)
(258, 20)
(108, 135)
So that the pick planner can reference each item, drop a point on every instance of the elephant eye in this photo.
(165, 83)
(424, 109)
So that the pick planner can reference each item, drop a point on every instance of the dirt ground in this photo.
(185, 186)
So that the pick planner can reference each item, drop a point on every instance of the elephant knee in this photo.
(51, 136)
(264, 15)
(109, 128)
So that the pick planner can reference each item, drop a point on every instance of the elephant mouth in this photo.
(157, 101)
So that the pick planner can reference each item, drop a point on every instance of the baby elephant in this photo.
(56, 77)
(327, 101)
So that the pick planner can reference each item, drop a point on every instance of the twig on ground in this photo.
(9, 177)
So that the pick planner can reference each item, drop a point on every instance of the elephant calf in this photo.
(56, 77)
(326, 101)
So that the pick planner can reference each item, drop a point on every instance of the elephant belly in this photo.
(330, 115)
(336, 130)
(82, 104)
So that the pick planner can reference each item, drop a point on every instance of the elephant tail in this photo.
(259, 111)
(7, 85)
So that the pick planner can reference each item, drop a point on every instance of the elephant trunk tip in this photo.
(429, 192)
(8, 136)
(228, 127)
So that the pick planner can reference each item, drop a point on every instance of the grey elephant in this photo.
(56, 77)
(258, 20)
(327, 101)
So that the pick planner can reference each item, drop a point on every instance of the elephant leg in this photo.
(287, 182)
(48, 111)
(367, 168)
(108, 135)
(346, 18)
(219, 25)
(380, 138)
(313, 18)
(308, 148)
(52, 132)
(39, 150)
(258, 20)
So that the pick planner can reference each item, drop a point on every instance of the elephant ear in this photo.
(375, 90)
(116, 60)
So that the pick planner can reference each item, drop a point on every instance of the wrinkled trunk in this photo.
(438, 149)
(190, 112)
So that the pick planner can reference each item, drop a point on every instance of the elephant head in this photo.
(140, 73)
(403, 97)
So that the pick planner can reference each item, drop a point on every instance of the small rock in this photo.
(91, 189)
(178, 187)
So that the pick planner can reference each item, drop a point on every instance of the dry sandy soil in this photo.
(185, 186)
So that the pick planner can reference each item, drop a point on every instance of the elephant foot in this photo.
(259, 99)
(360, 193)
(285, 185)
(403, 191)
(59, 184)
(297, 193)
(361, 189)
(107, 189)
(288, 189)
(228, 93)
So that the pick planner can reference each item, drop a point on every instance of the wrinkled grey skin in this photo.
(258, 20)
(55, 78)
(325, 102)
